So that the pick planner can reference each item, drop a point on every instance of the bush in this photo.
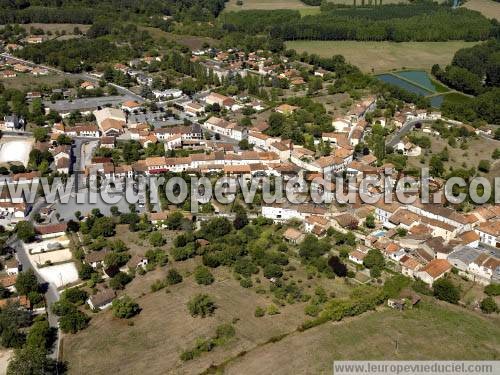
(312, 310)
(492, 290)
(245, 267)
(156, 239)
(203, 276)
(446, 291)
(125, 307)
(259, 312)
(246, 283)
(173, 277)
(225, 331)
(273, 310)
(201, 305)
(489, 306)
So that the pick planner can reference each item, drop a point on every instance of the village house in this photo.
(101, 300)
(12, 266)
(193, 109)
(95, 258)
(293, 236)
(486, 267)
(489, 233)
(131, 106)
(38, 71)
(111, 121)
(9, 282)
(51, 230)
(410, 265)
(137, 262)
(434, 270)
(286, 109)
(9, 74)
(357, 256)
(83, 130)
(158, 219)
(221, 100)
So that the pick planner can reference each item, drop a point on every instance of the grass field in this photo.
(488, 8)
(193, 42)
(478, 149)
(53, 27)
(27, 81)
(272, 4)
(431, 331)
(384, 56)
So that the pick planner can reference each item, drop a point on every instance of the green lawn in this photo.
(456, 98)
(380, 57)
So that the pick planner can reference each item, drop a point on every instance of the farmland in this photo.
(272, 4)
(487, 8)
(384, 56)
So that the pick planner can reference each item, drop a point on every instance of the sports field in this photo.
(384, 56)
(487, 8)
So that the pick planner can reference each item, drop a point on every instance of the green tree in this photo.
(30, 361)
(41, 134)
(125, 307)
(26, 282)
(40, 335)
(73, 321)
(374, 259)
(370, 221)
(445, 290)
(25, 231)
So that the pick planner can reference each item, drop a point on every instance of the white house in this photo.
(489, 233)
(102, 299)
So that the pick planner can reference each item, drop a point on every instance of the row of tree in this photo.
(389, 22)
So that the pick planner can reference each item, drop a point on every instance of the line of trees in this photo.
(400, 23)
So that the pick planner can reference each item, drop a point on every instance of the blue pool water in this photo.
(379, 233)
(419, 77)
(393, 80)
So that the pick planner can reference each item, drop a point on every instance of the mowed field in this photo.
(384, 56)
(271, 4)
(431, 331)
(488, 8)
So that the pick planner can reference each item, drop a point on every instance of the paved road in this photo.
(405, 129)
